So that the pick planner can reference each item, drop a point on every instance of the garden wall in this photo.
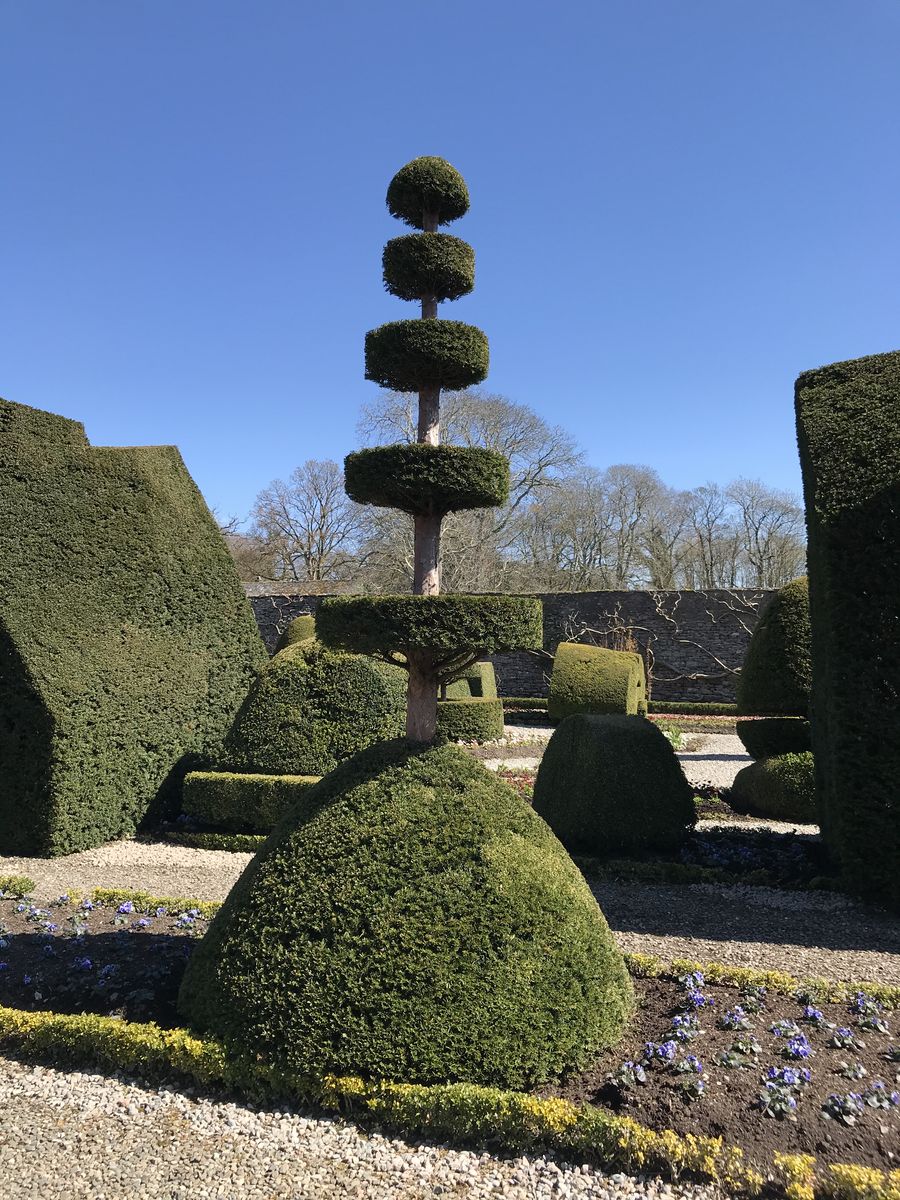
(695, 639)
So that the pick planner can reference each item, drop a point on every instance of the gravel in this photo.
(72, 1135)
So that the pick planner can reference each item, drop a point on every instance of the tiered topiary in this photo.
(848, 424)
(412, 918)
(776, 676)
(593, 679)
(611, 784)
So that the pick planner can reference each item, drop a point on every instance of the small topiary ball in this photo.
(783, 788)
(311, 707)
(411, 919)
(427, 185)
(301, 629)
(611, 785)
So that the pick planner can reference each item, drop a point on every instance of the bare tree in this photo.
(308, 524)
(772, 526)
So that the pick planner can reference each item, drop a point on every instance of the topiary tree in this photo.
(436, 638)
(593, 679)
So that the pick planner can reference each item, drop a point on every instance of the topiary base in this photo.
(783, 788)
(415, 921)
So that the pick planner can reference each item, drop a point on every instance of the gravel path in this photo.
(71, 1135)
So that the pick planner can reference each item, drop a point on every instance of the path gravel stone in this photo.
(77, 1136)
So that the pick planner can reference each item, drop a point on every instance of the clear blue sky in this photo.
(677, 206)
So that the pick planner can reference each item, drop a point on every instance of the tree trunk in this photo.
(427, 564)
(421, 699)
(429, 430)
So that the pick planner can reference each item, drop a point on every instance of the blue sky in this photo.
(676, 208)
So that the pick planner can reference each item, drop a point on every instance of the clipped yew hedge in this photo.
(612, 784)
(420, 478)
(782, 788)
(312, 707)
(126, 641)
(413, 920)
(766, 736)
(592, 679)
(407, 356)
(470, 719)
(776, 675)
(245, 803)
(301, 629)
(428, 264)
(427, 185)
(478, 680)
(848, 426)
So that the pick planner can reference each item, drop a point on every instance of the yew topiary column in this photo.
(435, 637)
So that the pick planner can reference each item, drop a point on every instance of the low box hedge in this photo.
(244, 803)
(470, 719)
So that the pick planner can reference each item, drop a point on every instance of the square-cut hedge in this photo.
(848, 424)
(244, 803)
(126, 641)
(479, 680)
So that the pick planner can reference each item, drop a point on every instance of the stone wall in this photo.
(692, 641)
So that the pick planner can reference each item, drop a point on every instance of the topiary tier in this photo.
(612, 784)
(409, 355)
(427, 479)
(411, 919)
(596, 680)
(766, 736)
(441, 265)
(782, 788)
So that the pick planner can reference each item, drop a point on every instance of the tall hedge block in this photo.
(848, 425)
(126, 642)
(592, 679)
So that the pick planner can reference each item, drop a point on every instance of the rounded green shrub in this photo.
(385, 624)
(478, 680)
(764, 737)
(427, 185)
(407, 356)
(311, 707)
(414, 920)
(428, 264)
(776, 676)
(420, 478)
(783, 788)
(470, 719)
(246, 803)
(611, 785)
(301, 629)
(592, 679)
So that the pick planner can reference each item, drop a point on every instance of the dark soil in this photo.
(729, 1106)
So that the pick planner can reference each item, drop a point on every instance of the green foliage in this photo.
(478, 680)
(301, 629)
(126, 641)
(419, 478)
(428, 264)
(16, 885)
(535, 703)
(470, 719)
(777, 672)
(593, 679)
(238, 843)
(427, 185)
(782, 788)
(458, 628)
(244, 802)
(848, 425)
(692, 708)
(147, 902)
(407, 356)
(310, 708)
(764, 737)
(414, 920)
(612, 784)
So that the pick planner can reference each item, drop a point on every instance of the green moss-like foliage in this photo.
(425, 479)
(595, 680)
(427, 185)
(407, 356)
(783, 788)
(767, 736)
(126, 641)
(310, 708)
(848, 425)
(478, 680)
(243, 802)
(462, 624)
(411, 919)
(301, 629)
(428, 264)
(777, 672)
(612, 784)
(470, 719)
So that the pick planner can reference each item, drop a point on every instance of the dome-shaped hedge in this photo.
(783, 788)
(777, 672)
(411, 919)
(301, 629)
(427, 185)
(311, 707)
(611, 785)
